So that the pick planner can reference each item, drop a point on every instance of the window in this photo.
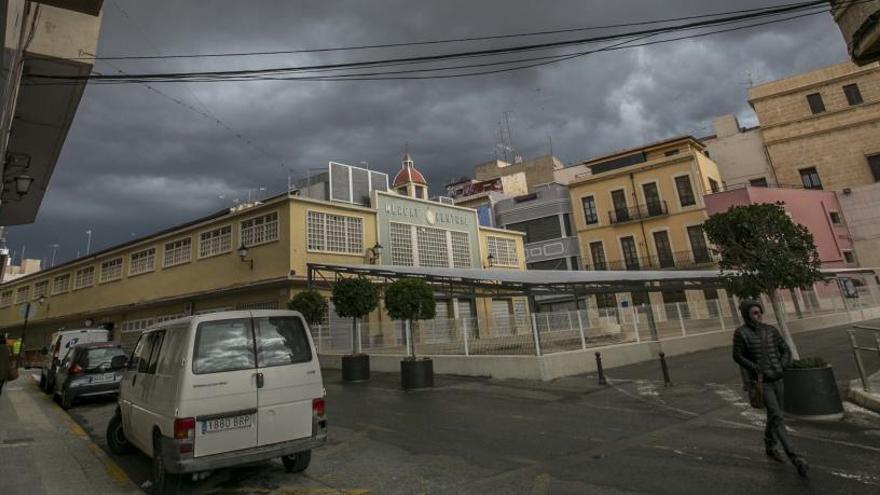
(214, 242)
(540, 229)
(849, 257)
(503, 250)
(597, 252)
(816, 104)
(566, 224)
(401, 244)
(685, 191)
(281, 341)
(84, 278)
(41, 289)
(557, 264)
(136, 325)
(61, 284)
(853, 95)
(432, 247)
(111, 270)
(630, 255)
(260, 230)
(22, 294)
(835, 217)
(698, 244)
(224, 345)
(591, 215)
(810, 178)
(713, 185)
(618, 200)
(665, 258)
(92, 359)
(874, 164)
(177, 252)
(6, 298)
(335, 233)
(142, 261)
(157, 338)
(652, 199)
(461, 250)
(671, 152)
(760, 182)
(140, 358)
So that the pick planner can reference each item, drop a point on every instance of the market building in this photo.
(256, 256)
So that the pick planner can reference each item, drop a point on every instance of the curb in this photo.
(868, 400)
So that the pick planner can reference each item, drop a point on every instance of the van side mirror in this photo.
(119, 363)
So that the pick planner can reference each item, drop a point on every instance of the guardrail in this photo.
(638, 212)
(866, 386)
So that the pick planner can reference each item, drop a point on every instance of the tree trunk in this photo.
(412, 341)
(779, 311)
(354, 339)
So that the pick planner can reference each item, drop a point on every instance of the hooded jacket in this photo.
(747, 350)
(5, 361)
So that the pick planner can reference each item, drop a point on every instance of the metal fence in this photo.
(548, 333)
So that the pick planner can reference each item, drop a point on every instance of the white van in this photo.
(218, 390)
(60, 344)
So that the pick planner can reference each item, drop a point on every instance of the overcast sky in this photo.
(135, 161)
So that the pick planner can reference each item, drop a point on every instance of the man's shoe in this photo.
(774, 454)
(802, 466)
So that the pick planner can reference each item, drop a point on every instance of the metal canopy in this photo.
(473, 281)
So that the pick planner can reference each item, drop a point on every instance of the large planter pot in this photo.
(417, 373)
(812, 394)
(356, 368)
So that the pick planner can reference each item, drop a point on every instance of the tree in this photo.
(410, 299)
(311, 304)
(762, 250)
(354, 298)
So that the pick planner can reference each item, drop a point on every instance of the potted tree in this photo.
(412, 299)
(311, 304)
(762, 250)
(355, 298)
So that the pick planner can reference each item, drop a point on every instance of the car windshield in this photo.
(100, 357)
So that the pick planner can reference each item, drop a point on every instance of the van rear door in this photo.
(290, 377)
(222, 392)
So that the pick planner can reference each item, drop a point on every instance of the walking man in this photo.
(762, 352)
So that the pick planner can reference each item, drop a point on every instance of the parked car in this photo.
(86, 372)
(219, 390)
(59, 344)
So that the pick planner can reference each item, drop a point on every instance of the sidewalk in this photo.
(868, 400)
(43, 451)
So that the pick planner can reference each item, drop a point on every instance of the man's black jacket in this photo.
(747, 351)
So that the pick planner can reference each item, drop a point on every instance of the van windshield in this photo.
(280, 341)
(224, 345)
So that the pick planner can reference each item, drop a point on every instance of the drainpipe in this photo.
(632, 181)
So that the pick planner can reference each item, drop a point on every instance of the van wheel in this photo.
(116, 440)
(66, 400)
(50, 386)
(297, 463)
(164, 483)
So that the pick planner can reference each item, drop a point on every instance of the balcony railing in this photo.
(679, 260)
(638, 212)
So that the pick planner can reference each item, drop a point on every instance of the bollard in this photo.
(665, 369)
(602, 380)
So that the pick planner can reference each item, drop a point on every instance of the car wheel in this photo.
(164, 483)
(297, 463)
(66, 400)
(116, 440)
(42, 382)
(50, 386)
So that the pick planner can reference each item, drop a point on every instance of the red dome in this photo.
(408, 174)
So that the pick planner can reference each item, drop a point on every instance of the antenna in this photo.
(550, 141)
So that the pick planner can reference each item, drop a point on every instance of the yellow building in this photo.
(643, 209)
(256, 256)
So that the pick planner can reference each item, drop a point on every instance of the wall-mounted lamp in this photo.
(490, 260)
(22, 184)
(243, 255)
(375, 252)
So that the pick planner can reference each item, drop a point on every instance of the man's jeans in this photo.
(775, 429)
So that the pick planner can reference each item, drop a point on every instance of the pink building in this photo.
(817, 210)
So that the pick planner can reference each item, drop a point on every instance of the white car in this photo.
(218, 390)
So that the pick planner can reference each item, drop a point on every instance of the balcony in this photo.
(680, 260)
(638, 212)
(859, 23)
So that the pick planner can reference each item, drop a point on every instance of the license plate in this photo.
(106, 377)
(229, 423)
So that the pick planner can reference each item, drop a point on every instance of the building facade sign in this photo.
(426, 233)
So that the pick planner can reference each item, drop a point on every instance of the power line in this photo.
(232, 74)
(442, 41)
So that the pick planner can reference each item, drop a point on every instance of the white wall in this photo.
(740, 155)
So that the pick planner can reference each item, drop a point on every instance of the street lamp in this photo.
(490, 260)
(22, 184)
(27, 315)
(89, 242)
(375, 253)
(243, 254)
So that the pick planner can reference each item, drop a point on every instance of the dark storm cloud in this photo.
(135, 161)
